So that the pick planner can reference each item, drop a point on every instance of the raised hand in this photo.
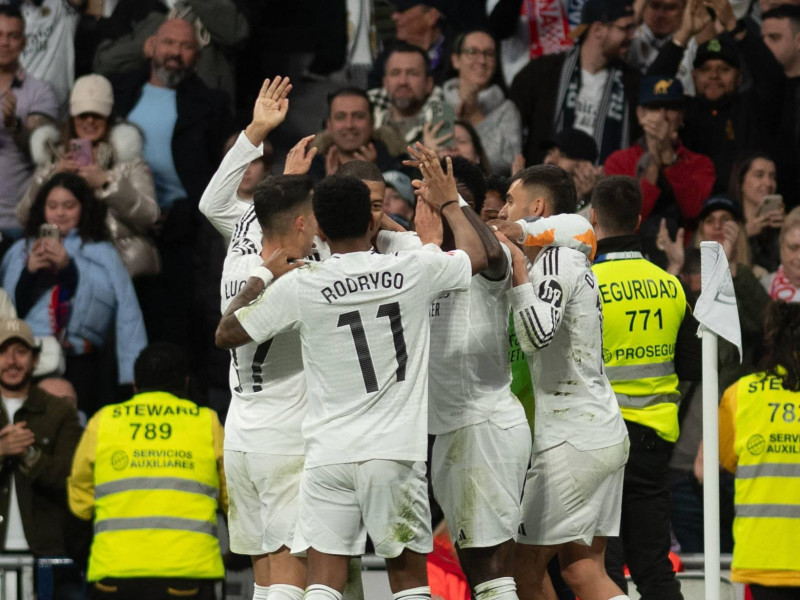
(441, 185)
(270, 108)
(428, 224)
(298, 161)
(367, 153)
(674, 250)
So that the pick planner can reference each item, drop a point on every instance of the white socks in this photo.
(260, 592)
(318, 591)
(418, 593)
(620, 597)
(502, 588)
(283, 591)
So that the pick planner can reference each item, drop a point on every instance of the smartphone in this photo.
(771, 203)
(438, 112)
(80, 151)
(47, 230)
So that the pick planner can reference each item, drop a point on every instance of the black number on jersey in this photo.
(353, 320)
(257, 366)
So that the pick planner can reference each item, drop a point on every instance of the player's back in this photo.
(268, 388)
(470, 372)
(574, 399)
(365, 334)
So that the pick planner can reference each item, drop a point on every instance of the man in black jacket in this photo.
(723, 120)
(185, 125)
(588, 88)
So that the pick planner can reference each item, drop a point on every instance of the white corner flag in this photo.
(716, 307)
(718, 316)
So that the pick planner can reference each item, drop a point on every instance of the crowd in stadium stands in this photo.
(115, 220)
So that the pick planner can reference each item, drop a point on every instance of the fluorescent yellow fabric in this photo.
(760, 440)
(149, 471)
(643, 307)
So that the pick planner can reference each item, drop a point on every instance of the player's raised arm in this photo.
(443, 194)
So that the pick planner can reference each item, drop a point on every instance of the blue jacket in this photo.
(104, 295)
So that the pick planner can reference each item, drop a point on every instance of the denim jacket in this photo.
(104, 295)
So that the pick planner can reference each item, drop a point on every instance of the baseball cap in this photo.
(658, 90)
(403, 5)
(401, 183)
(601, 11)
(91, 94)
(573, 143)
(721, 202)
(720, 48)
(17, 329)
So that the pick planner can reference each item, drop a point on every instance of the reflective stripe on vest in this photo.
(767, 470)
(640, 371)
(156, 523)
(155, 483)
(782, 511)
(767, 488)
(156, 488)
(644, 401)
(643, 308)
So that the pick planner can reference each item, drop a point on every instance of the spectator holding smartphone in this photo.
(108, 155)
(74, 286)
(754, 183)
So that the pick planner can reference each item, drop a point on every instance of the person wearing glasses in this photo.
(478, 95)
(589, 87)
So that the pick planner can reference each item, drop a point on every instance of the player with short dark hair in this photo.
(580, 443)
(366, 430)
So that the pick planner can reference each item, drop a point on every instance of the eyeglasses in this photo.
(488, 54)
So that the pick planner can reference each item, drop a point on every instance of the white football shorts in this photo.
(573, 496)
(263, 492)
(478, 473)
(340, 504)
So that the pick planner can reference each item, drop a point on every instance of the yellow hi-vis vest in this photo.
(643, 307)
(156, 491)
(766, 529)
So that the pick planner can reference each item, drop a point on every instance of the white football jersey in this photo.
(470, 374)
(558, 319)
(268, 388)
(364, 326)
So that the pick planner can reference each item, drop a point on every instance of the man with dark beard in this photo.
(408, 100)
(38, 435)
(185, 126)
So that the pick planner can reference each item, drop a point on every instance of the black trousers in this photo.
(763, 592)
(152, 589)
(644, 540)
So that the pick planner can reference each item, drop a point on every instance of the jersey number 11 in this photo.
(353, 320)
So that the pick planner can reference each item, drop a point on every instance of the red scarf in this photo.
(548, 26)
(780, 288)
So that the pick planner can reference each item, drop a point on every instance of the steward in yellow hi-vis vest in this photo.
(759, 439)
(149, 472)
(648, 343)
(643, 309)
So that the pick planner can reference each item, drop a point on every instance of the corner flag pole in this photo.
(718, 316)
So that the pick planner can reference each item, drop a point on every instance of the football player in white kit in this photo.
(363, 322)
(483, 441)
(572, 496)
